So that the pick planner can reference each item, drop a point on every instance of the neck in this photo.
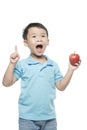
(41, 58)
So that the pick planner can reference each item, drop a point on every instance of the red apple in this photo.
(74, 58)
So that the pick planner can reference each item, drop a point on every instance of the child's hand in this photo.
(74, 67)
(14, 56)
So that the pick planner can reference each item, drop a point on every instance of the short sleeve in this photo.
(18, 70)
(57, 73)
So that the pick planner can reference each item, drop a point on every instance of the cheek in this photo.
(48, 42)
(31, 42)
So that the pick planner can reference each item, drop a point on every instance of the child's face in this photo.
(37, 40)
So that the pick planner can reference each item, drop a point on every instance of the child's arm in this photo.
(9, 77)
(61, 85)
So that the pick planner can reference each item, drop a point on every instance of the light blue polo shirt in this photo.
(38, 91)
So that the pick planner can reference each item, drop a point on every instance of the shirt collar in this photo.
(32, 61)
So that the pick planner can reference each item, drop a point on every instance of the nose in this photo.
(39, 38)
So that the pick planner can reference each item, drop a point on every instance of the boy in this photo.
(40, 76)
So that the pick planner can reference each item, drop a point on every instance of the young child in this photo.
(40, 76)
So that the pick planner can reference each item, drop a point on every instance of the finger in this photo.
(16, 49)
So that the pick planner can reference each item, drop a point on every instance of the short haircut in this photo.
(38, 25)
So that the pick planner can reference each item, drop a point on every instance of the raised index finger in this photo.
(16, 49)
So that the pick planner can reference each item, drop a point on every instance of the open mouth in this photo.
(39, 46)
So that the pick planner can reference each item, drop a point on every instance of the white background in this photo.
(66, 21)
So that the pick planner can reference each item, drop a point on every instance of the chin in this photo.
(37, 55)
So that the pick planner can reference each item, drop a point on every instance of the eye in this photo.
(43, 36)
(33, 36)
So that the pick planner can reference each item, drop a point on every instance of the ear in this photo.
(48, 42)
(25, 43)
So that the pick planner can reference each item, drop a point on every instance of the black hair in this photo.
(39, 25)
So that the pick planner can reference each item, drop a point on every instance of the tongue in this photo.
(39, 49)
